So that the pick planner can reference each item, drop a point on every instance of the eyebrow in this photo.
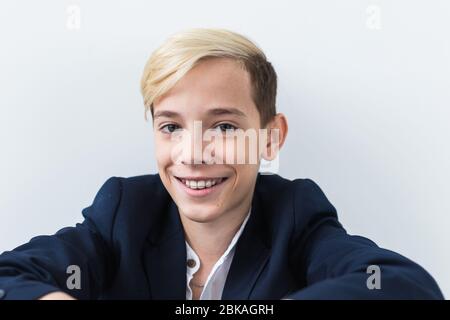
(215, 111)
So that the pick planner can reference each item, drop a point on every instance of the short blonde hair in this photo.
(184, 50)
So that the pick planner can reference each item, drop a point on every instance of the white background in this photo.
(364, 84)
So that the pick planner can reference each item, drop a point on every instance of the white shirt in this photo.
(215, 282)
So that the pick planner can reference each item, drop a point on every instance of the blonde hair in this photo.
(184, 50)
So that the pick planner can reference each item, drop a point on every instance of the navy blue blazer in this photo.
(131, 245)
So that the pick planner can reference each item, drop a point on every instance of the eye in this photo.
(169, 128)
(226, 127)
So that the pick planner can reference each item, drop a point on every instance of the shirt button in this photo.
(191, 263)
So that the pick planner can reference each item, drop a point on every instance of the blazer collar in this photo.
(165, 257)
(250, 257)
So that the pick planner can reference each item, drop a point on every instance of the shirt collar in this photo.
(190, 253)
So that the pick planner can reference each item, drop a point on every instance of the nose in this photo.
(193, 146)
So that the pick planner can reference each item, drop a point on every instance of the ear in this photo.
(277, 130)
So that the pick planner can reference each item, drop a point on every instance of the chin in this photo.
(202, 215)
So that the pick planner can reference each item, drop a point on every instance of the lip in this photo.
(199, 192)
(198, 178)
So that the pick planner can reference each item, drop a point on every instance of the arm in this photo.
(39, 267)
(59, 295)
(334, 264)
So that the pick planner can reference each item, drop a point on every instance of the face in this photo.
(212, 99)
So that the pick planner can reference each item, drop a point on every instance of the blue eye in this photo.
(169, 128)
(226, 127)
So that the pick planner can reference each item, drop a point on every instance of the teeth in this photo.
(201, 184)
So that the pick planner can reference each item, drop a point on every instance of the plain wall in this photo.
(364, 84)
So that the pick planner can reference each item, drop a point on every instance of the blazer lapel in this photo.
(165, 259)
(250, 257)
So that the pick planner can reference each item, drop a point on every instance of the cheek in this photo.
(238, 151)
(163, 152)
(245, 176)
(221, 150)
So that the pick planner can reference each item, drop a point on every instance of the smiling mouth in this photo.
(201, 183)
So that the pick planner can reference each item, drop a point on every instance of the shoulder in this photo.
(127, 198)
(304, 193)
(137, 186)
(300, 201)
(277, 183)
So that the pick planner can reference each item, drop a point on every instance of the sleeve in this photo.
(43, 265)
(336, 265)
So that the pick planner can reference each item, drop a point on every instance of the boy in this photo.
(209, 225)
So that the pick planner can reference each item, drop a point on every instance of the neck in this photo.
(210, 239)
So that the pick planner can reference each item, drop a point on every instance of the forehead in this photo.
(215, 82)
